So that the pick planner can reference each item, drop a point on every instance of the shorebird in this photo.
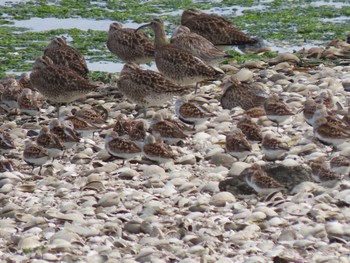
(190, 112)
(276, 110)
(24, 81)
(66, 56)
(81, 126)
(322, 173)
(58, 84)
(156, 150)
(27, 102)
(260, 181)
(120, 147)
(50, 142)
(273, 148)
(216, 29)
(250, 129)
(177, 64)
(166, 130)
(65, 132)
(199, 46)
(35, 155)
(328, 129)
(245, 95)
(147, 88)
(340, 164)
(10, 94)
(6, 142)
(130, 45)
(237, 144)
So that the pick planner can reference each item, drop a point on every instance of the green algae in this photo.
(277, 20)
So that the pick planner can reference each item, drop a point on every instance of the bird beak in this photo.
(145, 25)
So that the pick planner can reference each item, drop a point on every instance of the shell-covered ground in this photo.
(87, 208)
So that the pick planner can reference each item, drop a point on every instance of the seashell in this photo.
(220, 199)
(127, 173)
(30, 188)
(284, 57)
(244, 75)
(197, 250)
(60, 245)
(109, 199)
(81, 158)
(133, 227)
(29, 243)
(9, 210)
(6, 188)
(145, 255)
(94, 185)
(186, 159)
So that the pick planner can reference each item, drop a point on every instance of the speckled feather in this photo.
(245, 95)
(129, 45)
(216, 29)
(147, 87)
(65, 56)
(197, 45)
(58, 84)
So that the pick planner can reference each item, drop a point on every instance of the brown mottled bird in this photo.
(216, 29)
(130, 45)
(199, 46)
(177, 64)
(147, 88)
(66, 56)
(245, 95)
(58, 84)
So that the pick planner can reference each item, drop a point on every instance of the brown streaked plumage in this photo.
(328, 129)
(245, 95)
(24, 81)
(80, 125)
(123, 125)
(147, 88)
(6, 165)
(66, 56)
(90, 115)
(27, 102)
(273, 148)
(199, 46)
(260, 181)
(166, 130)
(10, 94)
(216, 29)
(190, 112)
(65, 132)
(121, 147)
(50, 142)
(6, 142)
(340, 164)
(177, 64)
(276, 110)
(237, 144)
(250, 129)
(58, 84)
(156, 150)
(35, 155)
(130, 45)
(322, 173)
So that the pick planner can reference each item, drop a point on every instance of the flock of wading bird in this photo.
(191, 57)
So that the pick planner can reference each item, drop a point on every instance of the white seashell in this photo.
(220, 199)
(29, 243)
(237, 168)
(60, 245)
(197, 250)
(244, 75)
(109, 199)
(150, 171)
